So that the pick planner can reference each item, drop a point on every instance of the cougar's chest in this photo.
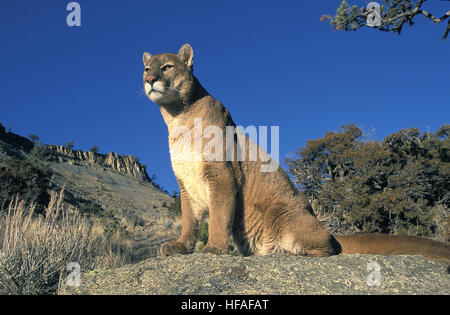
(188, 168)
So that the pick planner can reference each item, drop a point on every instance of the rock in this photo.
(128, 164)
(208, 274)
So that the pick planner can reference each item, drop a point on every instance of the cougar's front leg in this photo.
(186, 242)
(222, 195)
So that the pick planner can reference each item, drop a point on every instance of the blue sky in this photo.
(270, 63)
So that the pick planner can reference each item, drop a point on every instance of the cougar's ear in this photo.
(186, 54)
(146, 58)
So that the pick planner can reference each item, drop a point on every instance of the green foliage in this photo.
(153, 180)
(203, 235)
(69, 145)
(36, 150)
(394, 15)
(34, 138)
(393, 186)
(175, 207)
(91, 209)
(111, 223)
(94, 149)
(27, 180)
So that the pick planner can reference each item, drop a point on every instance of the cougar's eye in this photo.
(147, 70)
(166, 67)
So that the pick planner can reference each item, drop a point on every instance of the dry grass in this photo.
(36, 249)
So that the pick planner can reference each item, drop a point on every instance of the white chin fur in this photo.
(147, 88)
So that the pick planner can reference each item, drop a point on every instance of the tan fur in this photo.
(262, 212)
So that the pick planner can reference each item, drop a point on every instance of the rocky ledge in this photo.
(127, 164)
(208, 274)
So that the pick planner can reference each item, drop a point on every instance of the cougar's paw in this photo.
(214, 250)
(173, 247)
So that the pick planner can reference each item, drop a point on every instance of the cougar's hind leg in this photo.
(297, 232)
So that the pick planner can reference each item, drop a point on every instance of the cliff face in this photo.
(128, 165)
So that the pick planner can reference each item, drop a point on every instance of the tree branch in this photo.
(348, 18)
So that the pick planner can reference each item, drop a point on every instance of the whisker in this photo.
(140, 93)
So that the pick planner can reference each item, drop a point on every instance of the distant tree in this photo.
(390, 16)
(69, 145)
(397, 186)
(94, 149)
(34, 138)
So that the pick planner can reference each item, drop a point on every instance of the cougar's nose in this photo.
(151, 79)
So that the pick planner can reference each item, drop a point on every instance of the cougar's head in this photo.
(168, 77)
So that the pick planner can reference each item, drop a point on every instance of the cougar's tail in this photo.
(383, 244)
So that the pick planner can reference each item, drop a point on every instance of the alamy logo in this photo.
(73, 279)
(374, 17)
(74, 17)
(374, 276)
(207, 144)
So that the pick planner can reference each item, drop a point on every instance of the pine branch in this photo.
(347, 18)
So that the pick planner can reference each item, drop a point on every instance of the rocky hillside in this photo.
(13, 145)
(115, 182)
(209, 274)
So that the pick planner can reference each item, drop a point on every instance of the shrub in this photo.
(108, 218)
(69, 145)
(175, 207)
(36, 249)
(34, 138)
(111, 224)
(203, 235)
(396, 186)
(28, 180)
(91, 209)
(94, 149)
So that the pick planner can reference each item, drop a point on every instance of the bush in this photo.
(393, 186)
(175, 207)
(69, 145)
(108, 218)
(94, 149)
(29, 181)
(91, 209)
(36, 250)
(111, 224)
(203, 235)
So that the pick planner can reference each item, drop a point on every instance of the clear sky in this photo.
(271, 63)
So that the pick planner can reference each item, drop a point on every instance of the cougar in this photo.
(259, 211)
